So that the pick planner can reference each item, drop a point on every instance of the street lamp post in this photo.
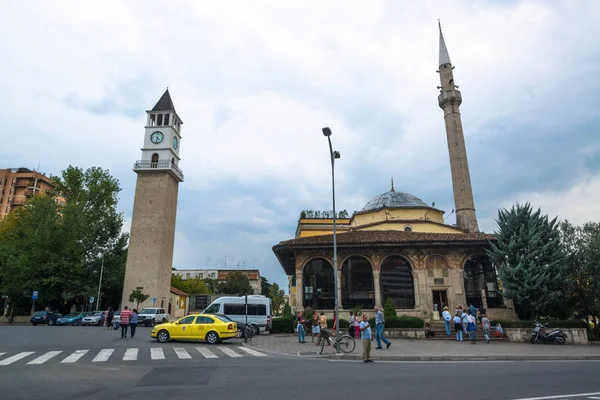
(334, 155)
(100, 284)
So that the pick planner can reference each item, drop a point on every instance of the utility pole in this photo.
(100, 284)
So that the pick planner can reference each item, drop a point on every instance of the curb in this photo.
(258, 348)
(463, 358)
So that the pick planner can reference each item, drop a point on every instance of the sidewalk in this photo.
(430, 350)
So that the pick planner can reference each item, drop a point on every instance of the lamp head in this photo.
(326, 131)
(336, 154)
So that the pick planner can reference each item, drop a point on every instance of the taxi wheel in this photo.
(163, 336)
(240, 333)
(212, 337)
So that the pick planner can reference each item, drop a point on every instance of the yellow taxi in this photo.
(213, 328)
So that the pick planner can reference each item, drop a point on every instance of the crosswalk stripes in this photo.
(206, 352)
(103, 355)
(181, 353)
(130, 354)
(16, 357)
(157, 353)
(229, 352)
(43, 358)
(74, 357)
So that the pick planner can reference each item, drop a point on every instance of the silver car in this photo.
(95, 318)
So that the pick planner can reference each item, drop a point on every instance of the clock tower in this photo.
(150, 252)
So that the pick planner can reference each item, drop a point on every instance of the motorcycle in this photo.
(539, 333)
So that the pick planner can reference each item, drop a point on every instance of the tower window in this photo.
(166, 119)
(154, 160)
(159, 119)
(152, 119)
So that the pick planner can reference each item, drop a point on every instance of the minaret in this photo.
(449, 101)
(152, 236)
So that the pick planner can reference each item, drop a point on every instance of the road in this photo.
(47, 363)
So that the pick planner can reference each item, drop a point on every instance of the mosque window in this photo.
(408, 228)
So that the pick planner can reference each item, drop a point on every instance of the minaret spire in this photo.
(449, 101)
(444, 56)
(393, 184)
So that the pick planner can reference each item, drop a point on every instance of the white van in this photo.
(259, 310)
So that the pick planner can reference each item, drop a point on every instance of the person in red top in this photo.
(125, 316)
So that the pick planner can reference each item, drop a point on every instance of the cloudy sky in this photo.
(254, 83)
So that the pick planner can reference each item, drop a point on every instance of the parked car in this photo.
(71, 319)
(259, 310)
(44, 317)
(94, 318)
(152, 316)
(212, 328)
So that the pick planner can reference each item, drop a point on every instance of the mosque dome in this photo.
(393, 199)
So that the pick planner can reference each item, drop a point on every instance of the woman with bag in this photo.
(471, 328)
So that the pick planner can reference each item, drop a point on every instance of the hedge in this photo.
(283, 325)
(403, 321)
(344, 323)
(288, 324)
(572, 323)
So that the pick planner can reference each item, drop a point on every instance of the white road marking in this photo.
(229, 352)
(181, 353)
(252, 352)
(103, 355)
(1, 354)
(16, 357)
(74, 357)
(206, 352)
(562, 396)
(131, 355)
(42, 359)
(595, 398)
(157, 353)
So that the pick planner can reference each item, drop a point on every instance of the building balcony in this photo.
(24, 183)
(149, 166)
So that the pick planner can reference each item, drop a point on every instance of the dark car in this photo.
(241, 327)
(44, 317)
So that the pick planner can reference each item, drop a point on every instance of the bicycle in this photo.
(345, 343)
(248, 333)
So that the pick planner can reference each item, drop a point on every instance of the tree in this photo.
(236, 283)
(532, 261)
(277, 298)
(265, 287)
(213, 285)
(137, 296)
(389, 310)
(190, 286)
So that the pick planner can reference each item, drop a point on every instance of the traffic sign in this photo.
(91, 300)
(153, 300)
(34, 296)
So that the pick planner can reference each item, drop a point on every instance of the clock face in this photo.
(157, 137)
(175, 142)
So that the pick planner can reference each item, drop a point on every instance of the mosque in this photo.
(398, 247)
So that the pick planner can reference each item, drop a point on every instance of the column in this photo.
(377, 284)
(299, 291)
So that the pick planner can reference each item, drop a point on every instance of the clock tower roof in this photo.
(164, 103)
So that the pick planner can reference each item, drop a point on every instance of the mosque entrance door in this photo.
(440, 300)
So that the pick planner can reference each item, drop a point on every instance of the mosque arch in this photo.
(396, 282)
(357, 283)
(480, 278)
(318, 284)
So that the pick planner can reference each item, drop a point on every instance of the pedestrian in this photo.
(472, 328)
(447, 318)
(485, 324)
(300, 327)
(366, 339)
(334, 324)
(379, 327)
(458, 327)
(458, 310)
(464, 321)
(351, 325)
(314, 326)
(322, 328)
(109, 318)
(482, 312)
(133, 321)
(428, 332)
(125, 316)
(356, 326)
(105, 314)
(473, 310)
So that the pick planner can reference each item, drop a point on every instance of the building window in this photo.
(397, 282)
(318, 283)
(7, 209)
(480, 275)
(201, 275)
(14, 181)
(408, 228)
(357, 283)
(159, 119)
(188, 275)
(166, 120)
(154, 160)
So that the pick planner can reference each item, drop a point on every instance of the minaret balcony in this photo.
(453, 96)
(166, 165)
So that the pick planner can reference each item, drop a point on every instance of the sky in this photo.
(254, 83)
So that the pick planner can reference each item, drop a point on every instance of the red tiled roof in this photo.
(384, 238)
(178, 292)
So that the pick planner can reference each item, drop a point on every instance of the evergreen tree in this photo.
(532, 261)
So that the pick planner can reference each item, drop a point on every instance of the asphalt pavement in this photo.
(133, 370)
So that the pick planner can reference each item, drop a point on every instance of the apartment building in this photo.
(19, 184)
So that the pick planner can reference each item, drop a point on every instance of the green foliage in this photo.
(532, 259)
(58, 249)
(190, 286)
(571, 323)
(287, 311)
(344, 323)
(403, 321)
(265, 287)
(235, 283)
(277, 298)
(357, 310)
(283, 325)
(389, 310)
(137, 296)
(213, 285)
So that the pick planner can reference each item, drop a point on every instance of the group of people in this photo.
(465, 322)
(359, 328)
(128, 319)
